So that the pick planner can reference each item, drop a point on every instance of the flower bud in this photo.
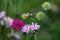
(29, 15)
(24, 16)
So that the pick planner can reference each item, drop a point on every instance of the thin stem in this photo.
(16, 15)
(7, 7)
(16, 6)
(35, 36)
(1, 3)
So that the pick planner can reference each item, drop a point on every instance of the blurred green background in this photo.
(50, 27)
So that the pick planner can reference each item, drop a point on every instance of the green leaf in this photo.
(1, 36)
(55, 27)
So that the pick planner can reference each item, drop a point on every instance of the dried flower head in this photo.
(54, 8)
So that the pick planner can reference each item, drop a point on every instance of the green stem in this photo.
(24, 36)
(35, 36)
(16, 6)
(4, 33)
(16, 15)
(30, 36)
(7, 7)
(1, 3)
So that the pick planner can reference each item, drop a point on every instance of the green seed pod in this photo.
(46, 5)
(40, 15)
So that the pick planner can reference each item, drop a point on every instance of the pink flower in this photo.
(26, 29)
(2, 14)
(8, 21)
(18, 24)
(16, 35)
(34, 26)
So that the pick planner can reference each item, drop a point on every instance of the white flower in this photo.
(29, 15)
(26, 29)
(34, 26)
(8, 21)
(2, 14)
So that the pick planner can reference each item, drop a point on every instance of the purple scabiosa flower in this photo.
(2, 14)
(8, 21)
(26, 29)
(34, 27)
(18, 24)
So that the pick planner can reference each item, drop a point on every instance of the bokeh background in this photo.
(50, 27)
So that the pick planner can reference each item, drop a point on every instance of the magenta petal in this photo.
(18, 24)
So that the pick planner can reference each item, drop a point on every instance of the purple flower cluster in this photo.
(30, 28)
(15, 35)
